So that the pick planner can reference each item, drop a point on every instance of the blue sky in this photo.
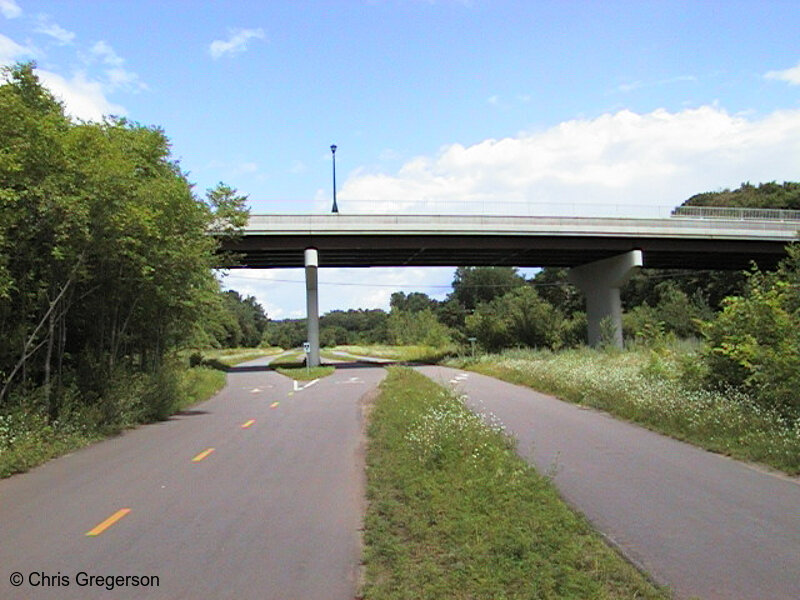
(472, 105)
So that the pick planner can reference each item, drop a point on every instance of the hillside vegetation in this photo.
(763, 195)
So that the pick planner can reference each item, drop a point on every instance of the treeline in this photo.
(764, 195)
(237, 322)
(105, 261)
(502, 309)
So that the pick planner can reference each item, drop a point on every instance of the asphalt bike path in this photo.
(704, 524)
(256, 493)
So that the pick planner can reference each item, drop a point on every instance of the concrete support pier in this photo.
(312, 305)
(600, 282)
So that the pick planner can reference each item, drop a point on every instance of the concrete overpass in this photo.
(601, 252)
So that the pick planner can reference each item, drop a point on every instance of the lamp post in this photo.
(333, 153)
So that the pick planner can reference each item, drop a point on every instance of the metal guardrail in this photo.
(516, 208)
(737, 214)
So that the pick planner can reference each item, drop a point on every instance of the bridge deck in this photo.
(275, 241)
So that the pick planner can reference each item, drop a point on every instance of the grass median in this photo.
(454, 513)
(305, 374)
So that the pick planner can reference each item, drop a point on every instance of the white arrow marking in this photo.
(298, 388)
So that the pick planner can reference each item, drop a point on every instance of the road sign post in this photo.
(307, 350)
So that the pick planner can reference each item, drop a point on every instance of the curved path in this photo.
(272, 512)
(707, 526)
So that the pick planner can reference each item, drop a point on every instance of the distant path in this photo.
(703, 524)
(271, 513)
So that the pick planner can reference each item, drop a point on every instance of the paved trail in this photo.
(705, 525)
(272, 512)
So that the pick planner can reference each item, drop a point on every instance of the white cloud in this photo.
(791, 76)
(83, 98)
(106, 53)
(624, 158)
(117, 76)
(55, 31)
(11, 51)
(236, 43)
(10, 9)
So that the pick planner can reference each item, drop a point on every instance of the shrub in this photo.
(754, 344)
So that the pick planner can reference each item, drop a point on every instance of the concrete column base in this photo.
(600, 282)
(312, 305)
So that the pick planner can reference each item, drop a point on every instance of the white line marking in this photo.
(298, 388)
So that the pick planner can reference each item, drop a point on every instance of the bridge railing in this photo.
(737, 214)
(522, 208)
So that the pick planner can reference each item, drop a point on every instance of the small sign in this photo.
(306, 347)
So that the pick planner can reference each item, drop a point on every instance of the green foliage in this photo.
(552, 285)
(28, 437)
(765, 195)
(705, 289)
(455, 513)
(661, 388)
(413, 302)
(245, 322)
(754, 343)
(336, 327)
(417, 328)
(111, 260)
(674, 313)
(520, 317)
(417, 354)
(475, 285)
(304, 374)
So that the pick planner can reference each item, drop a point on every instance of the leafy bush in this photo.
(754, 342)
(675, 314)
(518, 317)
(417, 328)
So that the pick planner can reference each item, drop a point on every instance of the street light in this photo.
(333, 152)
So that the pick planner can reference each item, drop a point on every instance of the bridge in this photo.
(601, 253)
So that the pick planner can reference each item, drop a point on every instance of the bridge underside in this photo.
(601, 253)
(284, 251)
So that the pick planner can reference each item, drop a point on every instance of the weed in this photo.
(660, 389)
(455, 513)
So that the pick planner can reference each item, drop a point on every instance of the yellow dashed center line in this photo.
(248, 423)
(274, 405)
(109, 521)
(202, 455)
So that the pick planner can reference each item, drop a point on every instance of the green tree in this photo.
(244, 321)
(553, 286)
(520, 317)
(753, 344)
(412, 328)
(111, 264)
(473, 285)
(673, 312)
(413, 302)
(764, 195)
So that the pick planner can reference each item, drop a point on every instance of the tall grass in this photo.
(659, 388)
(454, 513)
(28, 438)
